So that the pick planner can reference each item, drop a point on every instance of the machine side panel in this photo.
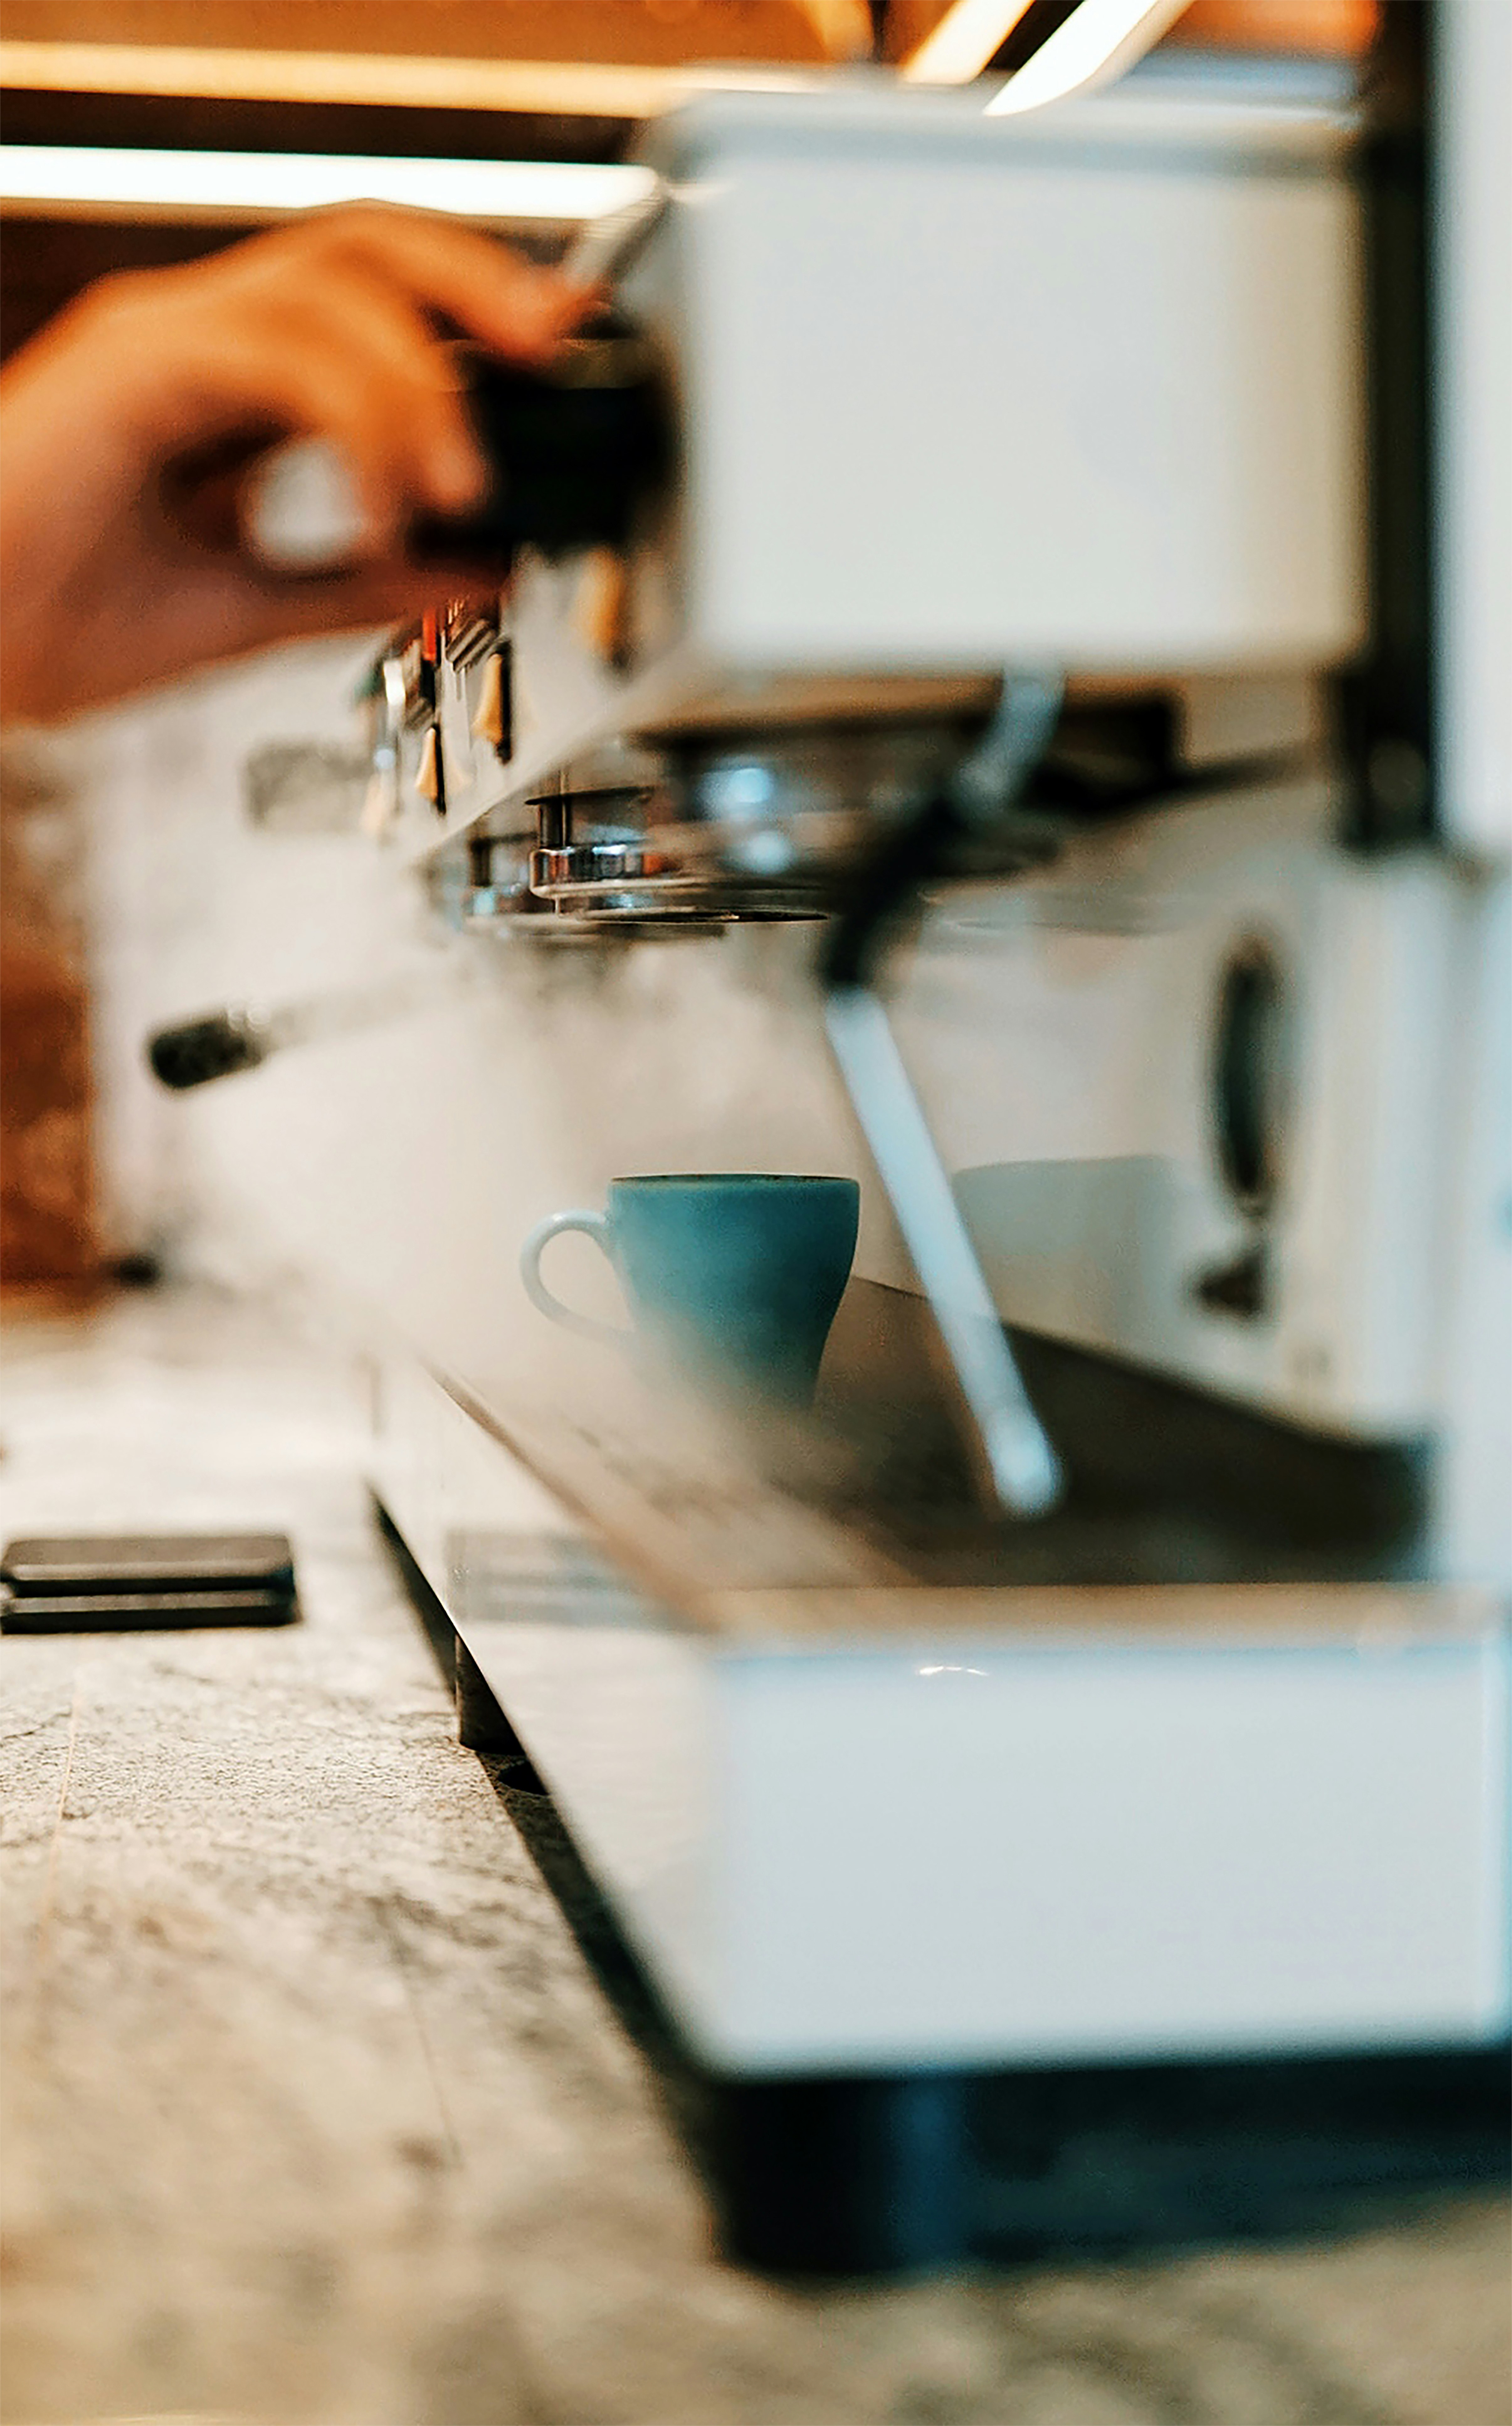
(615, 1707)
(1476, 1473)
(1473, 404)
(1106, 414)
(992, 1853)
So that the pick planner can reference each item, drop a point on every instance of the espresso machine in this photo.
(1018, 716)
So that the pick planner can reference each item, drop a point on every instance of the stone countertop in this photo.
(314, 2113)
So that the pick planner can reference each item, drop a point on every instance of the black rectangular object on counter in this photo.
(81, 1582)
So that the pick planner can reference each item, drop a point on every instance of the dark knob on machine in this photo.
(216, 1046)
(576, 451)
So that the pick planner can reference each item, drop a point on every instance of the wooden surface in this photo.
(47, 1196)
(629, 31)
(315, 2115)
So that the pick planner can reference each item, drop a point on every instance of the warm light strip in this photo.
(545, 87)
(1099, 40)
(264, 185)
(966, 36)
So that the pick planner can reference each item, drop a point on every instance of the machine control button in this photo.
(1250, 1071)
(1241, 1288)
(494, 716)
(429, 780)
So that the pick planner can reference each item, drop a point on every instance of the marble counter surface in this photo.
(314, 2113)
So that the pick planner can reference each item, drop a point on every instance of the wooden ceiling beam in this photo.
(623, 33)
(524, 88)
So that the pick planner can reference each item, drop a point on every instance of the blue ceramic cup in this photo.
(735, 1275)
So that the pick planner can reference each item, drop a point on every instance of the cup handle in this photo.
(593, 1226)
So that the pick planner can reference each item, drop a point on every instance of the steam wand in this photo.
(1020, 1468)
(221, 1043)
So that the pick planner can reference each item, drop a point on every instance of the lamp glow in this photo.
(266, 183)
(545, 87)
(1098, 41)
(960, 46)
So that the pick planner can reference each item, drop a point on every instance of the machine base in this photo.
(892, 2171)
(841, 2176)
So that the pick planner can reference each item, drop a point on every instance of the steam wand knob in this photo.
(200, 1050)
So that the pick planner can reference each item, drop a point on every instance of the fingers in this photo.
(417, 384)
(372, 596)
(346, 358)
(333, 325)
(329, 328)
(297, 370)
(512, 305)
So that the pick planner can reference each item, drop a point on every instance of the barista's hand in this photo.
(113, 570)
